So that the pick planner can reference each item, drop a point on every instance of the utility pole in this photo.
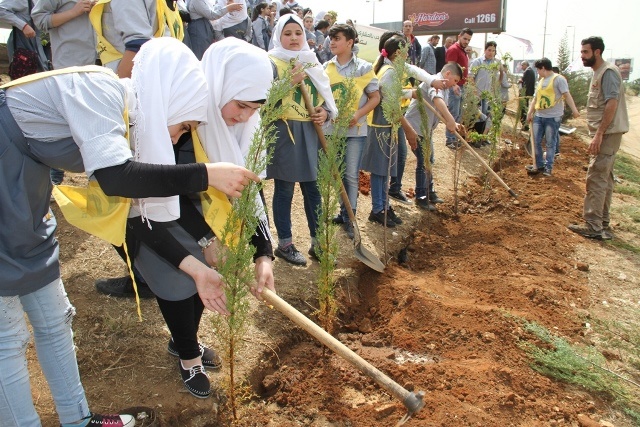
(574, 40)
(544, 36)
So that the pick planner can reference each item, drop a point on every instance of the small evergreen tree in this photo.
(237, 253)
(564, 54)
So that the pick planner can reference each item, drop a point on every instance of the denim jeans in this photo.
(282, 198)
(424, 179)
(455, 108)
(50, 314)
(396, 181)
(378, 193)
(352, 158)
(547, 128)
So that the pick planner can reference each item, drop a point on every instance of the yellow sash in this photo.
(216, 207)
(295, 108)
(164, 15)
(88, 208)
(337, 85)
(546, 97)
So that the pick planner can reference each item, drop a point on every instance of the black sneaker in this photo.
(210, 358)
(401, 197)
(424, 203)
(585, 231)
(379, 218)
(98, 420)
(348, 228)
(291, 255)
(313, 254)
(532, 170)
(195, 380)
(337, 219)
(433, 198)
(453, 145)
(392, 214)
(123, 287)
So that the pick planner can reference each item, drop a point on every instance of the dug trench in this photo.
(447, 321)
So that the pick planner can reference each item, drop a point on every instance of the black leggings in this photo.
(183, 319)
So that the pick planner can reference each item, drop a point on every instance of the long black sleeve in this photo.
(192, 220)
(139, 180)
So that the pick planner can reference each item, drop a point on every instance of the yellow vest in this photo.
(164, 15)
(337, 85)
(295, 109)
(546, 97)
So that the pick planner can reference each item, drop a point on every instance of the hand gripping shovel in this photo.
(472, 151)
(362, 253)
(412, 401)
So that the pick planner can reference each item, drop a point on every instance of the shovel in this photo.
(412, 401)
(472, 151)
(362, 253)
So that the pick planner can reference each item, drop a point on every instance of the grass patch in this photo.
(627, 168)
(622, 337)
(628, 190)
(556, 358)
(620, 244)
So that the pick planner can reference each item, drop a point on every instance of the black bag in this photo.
(241, 30)
(27, 61)
(23, 63)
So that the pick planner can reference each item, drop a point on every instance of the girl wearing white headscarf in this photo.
(75, 122)
(236, 24)
(295, 154)
(231, 122)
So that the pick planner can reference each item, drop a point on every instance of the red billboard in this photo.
(450, 16)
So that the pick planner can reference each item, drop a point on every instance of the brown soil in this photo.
(444, 322)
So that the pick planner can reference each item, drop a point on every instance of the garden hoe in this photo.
(472, 151)
(362, 253)
(412, 401)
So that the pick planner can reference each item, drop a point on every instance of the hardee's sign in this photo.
(434, 19)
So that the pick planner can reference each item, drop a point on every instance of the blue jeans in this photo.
(378, 193)
(424, 179)
(282, 198)
(549, 129)
(455, 108)
(50, 314)
(396, 181)
(352, 158)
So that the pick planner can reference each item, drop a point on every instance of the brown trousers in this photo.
(597, 201)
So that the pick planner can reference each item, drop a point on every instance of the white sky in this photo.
(615, 23)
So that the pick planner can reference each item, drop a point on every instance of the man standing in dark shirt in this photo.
(528, 82)
(440, 52)
(415, 48)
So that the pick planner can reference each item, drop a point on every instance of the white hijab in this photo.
(305, 55)
(232, 18)
(170, 88)
(235, 70)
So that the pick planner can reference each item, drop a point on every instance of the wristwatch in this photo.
(206, 241)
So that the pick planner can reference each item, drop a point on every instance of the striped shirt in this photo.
(85, 106)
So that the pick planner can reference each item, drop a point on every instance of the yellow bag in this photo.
(89, 209)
